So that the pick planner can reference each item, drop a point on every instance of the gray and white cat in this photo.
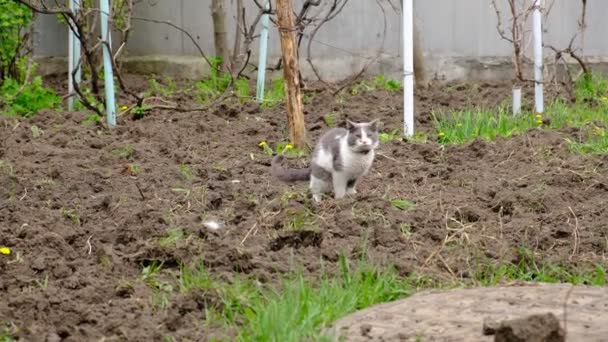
(340, 158)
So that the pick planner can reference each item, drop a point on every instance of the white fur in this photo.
(318, 187)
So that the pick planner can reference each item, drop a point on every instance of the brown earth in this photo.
(81, 223)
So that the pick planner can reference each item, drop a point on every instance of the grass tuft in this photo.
(588, 113)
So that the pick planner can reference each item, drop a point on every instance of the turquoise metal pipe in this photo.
(104, 7)
(261, 81)
(73, 57)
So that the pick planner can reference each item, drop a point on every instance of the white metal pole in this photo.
(538, 57)
(408, 67)
(73, 56)
(516, 100)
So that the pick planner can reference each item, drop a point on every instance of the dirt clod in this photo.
(534, 328)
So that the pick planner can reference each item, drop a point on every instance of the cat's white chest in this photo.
(356, 164)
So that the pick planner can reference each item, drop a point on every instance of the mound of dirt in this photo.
(85, 209)
(525, 312)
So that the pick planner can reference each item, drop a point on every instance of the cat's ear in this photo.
(374, 125)
(350, 125)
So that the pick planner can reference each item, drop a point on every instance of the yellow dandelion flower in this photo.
(288, 147)
(605, 98)
(5, 250)
(124, 108)
(441, 134)
(262, 144)
(540, 122)
(538, 116)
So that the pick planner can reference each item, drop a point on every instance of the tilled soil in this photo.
(83, 208)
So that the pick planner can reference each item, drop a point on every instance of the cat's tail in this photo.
(288, 175)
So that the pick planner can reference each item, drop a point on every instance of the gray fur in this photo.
(340, 158)
(320, 173)
(288, 175)
(329, 142)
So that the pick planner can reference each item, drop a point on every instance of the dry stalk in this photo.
(575, 234)
(248, 233)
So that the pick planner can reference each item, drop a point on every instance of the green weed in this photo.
(91, 119)
(133, 169)
(171, 238)
(186, 171)
(139, 112)
(29, 101)
(390, 136)
(301, 219)
(6, 335)
(307, 98)
(36, 131)
(401, 204)
(43, 283)
(387, 84)
(331, 119)
(124, 152)
(71, 214)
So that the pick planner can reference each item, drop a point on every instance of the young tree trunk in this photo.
(297, 131)
(219, 32)
(238, 32)
(419, 70)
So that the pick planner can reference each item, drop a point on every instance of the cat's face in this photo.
(362, 137)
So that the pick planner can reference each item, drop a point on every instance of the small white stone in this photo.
(213, 225)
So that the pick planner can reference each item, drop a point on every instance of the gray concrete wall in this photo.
(460, 38)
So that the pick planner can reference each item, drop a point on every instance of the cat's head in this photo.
(362, 136)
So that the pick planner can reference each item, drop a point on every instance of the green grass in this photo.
(301, 307)
(274, 94)
(588, 113)
(527, 269)
(381, 82)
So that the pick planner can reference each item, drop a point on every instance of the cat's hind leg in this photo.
(339, 181)
(350, 186)
(319, 182)
(318, 187)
